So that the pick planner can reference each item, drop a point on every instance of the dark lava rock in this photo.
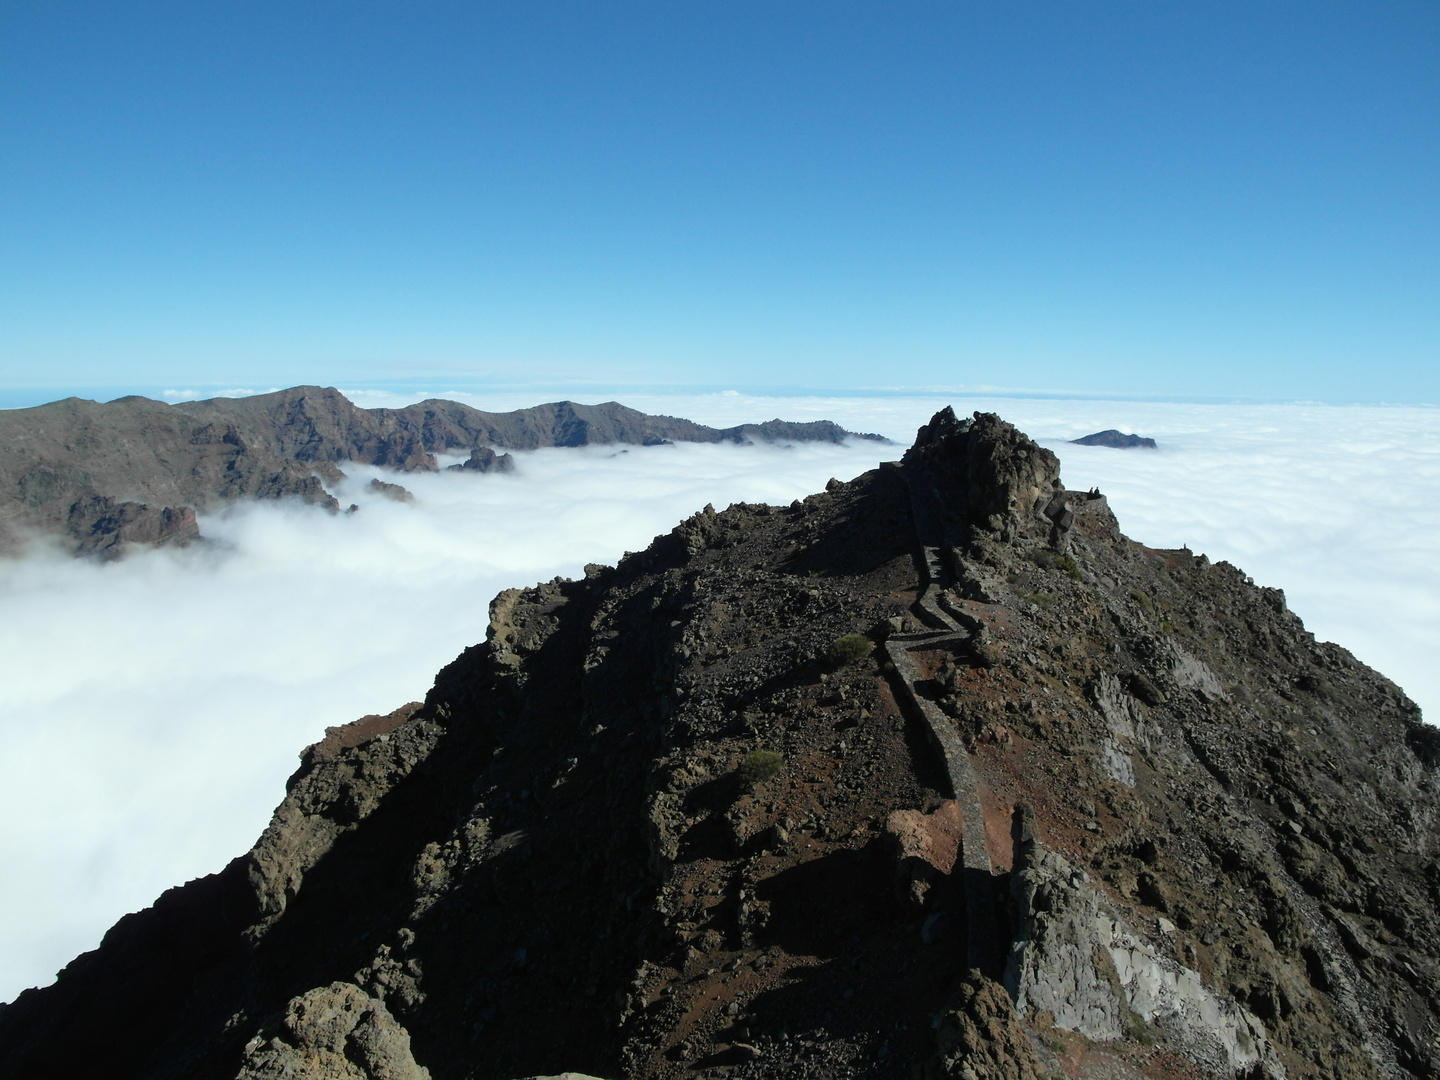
(1041, 830)
(1111, 437)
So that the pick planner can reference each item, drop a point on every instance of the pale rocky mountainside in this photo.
(934, 774)
(135, 470)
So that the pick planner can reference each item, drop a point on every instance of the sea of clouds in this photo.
(151, 709)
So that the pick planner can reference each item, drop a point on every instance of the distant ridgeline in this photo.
(1116, 440)
(135, 470)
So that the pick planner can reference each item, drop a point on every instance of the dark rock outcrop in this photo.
(135, 470)
(1089, 809)
(484, 460)
(101, 526)
(393, 492)
(1115, 439)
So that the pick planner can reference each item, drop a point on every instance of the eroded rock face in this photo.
(101, 526)
(1174, 834)
(1078, 961)
(344, 779)
(393, 492)
(1124, 718)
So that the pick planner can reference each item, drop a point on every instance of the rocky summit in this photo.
(934, 774)
(101, 477)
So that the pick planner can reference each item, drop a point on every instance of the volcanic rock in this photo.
(335, 1032)
(1171, 838)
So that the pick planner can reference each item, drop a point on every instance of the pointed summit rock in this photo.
(932, 774)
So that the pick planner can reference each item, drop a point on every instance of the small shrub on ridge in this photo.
(758, 766)
(848, 649)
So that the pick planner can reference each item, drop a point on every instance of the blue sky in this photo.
(1176, 200)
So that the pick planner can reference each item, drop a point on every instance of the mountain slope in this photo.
(135, 470)
(1067, 806)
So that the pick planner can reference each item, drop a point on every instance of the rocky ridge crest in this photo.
(1079, 808)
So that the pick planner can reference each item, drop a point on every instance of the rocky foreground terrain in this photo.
(932, 775)
(101, 476)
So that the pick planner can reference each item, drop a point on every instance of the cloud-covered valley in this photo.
(152, 708)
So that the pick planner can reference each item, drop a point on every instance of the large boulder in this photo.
(335, 1032)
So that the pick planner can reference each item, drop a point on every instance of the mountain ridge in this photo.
(134, 470)
(1033, 800)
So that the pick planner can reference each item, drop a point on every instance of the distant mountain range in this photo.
(135, 470)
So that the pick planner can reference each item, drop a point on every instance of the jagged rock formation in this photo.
(1088, 809)
(393, 492)
(483, 459)
(135, 470)
(1116, 440)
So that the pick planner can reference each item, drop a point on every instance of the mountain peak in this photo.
(988, 471)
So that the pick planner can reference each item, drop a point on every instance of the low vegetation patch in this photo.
(848, 649)
(758, 766)
(1053, 560)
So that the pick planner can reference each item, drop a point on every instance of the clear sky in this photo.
(1187, 200)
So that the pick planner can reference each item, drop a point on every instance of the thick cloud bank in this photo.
(151, 709)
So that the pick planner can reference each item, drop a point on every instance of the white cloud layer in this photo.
(150, 710)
